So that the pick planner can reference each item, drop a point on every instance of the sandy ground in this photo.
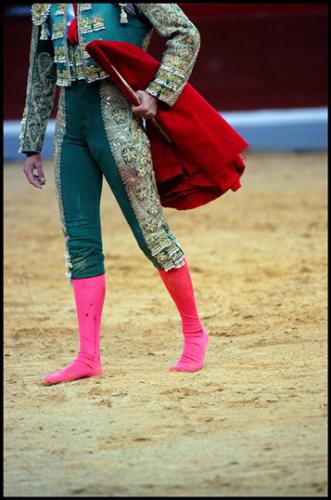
(252, 422)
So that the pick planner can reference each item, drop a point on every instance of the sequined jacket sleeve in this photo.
(180, 52)
(40, 93)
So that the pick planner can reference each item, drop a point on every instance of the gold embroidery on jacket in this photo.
(39, 12)
(39, 97)
(172, 70)
(85, 6)
(62, 77)
(146, 41)
(98, 23)
(131, 150)
(78, 57)
(93, 73)
(60, 55)
(85, 25)
(58, 30)
(61, 9)
(180, 53)
(80, 72)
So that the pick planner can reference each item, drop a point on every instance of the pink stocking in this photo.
(89, 297)
(179, 284)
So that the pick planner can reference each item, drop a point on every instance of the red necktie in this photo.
(72, 30)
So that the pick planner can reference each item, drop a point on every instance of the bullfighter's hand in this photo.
(148, 105)
(33, 169)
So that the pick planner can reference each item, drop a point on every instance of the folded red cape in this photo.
(204, 160)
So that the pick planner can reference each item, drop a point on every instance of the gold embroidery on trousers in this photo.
(130, 147)
(60, 127)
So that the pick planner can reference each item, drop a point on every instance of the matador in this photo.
(99, 134)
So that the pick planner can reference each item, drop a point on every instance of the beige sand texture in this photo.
(251, 422)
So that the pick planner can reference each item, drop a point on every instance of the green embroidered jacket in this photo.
(53, 61)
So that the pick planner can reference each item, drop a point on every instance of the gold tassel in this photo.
(43, 34)
(124, 17)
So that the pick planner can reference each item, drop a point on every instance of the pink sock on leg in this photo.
(89, 297)
(179, 284)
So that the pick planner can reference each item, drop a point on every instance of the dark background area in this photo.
(252, 56)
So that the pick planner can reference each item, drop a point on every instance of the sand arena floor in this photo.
(252, 422)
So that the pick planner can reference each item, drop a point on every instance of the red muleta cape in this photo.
(204, 160)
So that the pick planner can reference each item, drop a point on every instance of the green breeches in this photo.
(97, 136)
